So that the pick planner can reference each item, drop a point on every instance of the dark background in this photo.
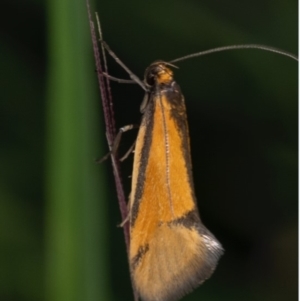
(59, 238)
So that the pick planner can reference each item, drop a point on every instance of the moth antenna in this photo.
(234, 47)
(172, 65)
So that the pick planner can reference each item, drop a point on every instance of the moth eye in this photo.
(150, 78)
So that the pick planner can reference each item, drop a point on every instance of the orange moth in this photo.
(171, 252)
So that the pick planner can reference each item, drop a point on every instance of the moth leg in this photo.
(128, 215)
(130, 150)
(116, 143)
(119, 80)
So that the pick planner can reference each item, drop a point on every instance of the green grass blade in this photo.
(76, 211)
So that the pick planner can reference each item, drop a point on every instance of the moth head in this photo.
(158, 73)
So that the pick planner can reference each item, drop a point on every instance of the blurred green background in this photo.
(59, 238)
